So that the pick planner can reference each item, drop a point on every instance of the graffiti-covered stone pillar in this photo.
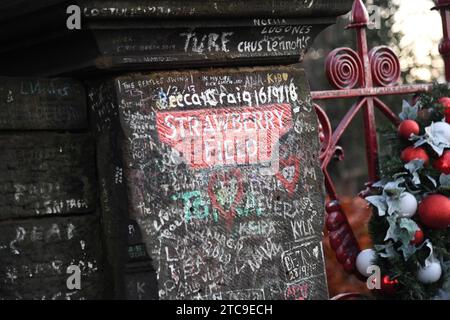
(209, 179)
(220, 171)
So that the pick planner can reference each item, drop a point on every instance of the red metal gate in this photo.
(364, 75)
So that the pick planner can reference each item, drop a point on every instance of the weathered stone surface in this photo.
(198, 45)
(36, 253)
(223, 212)
(98, 9)
(139, 34)
(140, 275)
(42, 104)
(46, 174)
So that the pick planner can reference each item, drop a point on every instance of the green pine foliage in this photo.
(406, 271)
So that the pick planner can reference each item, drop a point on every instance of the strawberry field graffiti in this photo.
(220, 173)
(214, 137)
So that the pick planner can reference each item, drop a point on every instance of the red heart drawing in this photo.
(226, 178)
(290, 185)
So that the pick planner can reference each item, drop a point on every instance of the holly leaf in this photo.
(393, 189)
(393, 230)
(379, 202)
(414, 167)
(416, 179)
(392, 192)
(390, 199)
(386, 251)
(434, 138)
(393, 205)
(409, 112)
(408, 229)
(444, 181)
(380, 184)
(421, 140)
(407, 250)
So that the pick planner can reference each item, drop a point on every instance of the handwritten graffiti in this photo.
(297, 292)
(215, 224)
(217, 137)
(289, 173)
(197, 206)
(211, 42)
(226, 195)
(301, 262)
(194, 205)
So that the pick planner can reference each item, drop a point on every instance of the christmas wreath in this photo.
(411, 205)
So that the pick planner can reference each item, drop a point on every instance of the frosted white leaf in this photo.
(435, 137)
(393, 189)
(393, 204)
(379, 202)
(380, 184)
(431, 258)
(393, 230)
(409, 112)
(407, 250)
(416, 179)
(386, 251)
(410, 226)
(414, 165)
(407, 232)
(444, 181)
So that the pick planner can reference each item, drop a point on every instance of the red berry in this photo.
(337, 237)
(434, 211)
(418, 237)
(445, 101)
(411, 153)
(389, 286)
(407, 128)
(443, 163)
(334, 220)
(333, 206)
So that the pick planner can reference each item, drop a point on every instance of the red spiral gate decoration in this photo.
(365, 76)
(385, 66)
(344, 68)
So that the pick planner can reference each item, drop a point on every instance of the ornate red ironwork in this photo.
(364, 75)
(444, 47)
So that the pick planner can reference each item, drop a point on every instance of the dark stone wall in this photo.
(48, 192)
(42, 104)
(46, 173)
(159, 35)
(36, 253)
